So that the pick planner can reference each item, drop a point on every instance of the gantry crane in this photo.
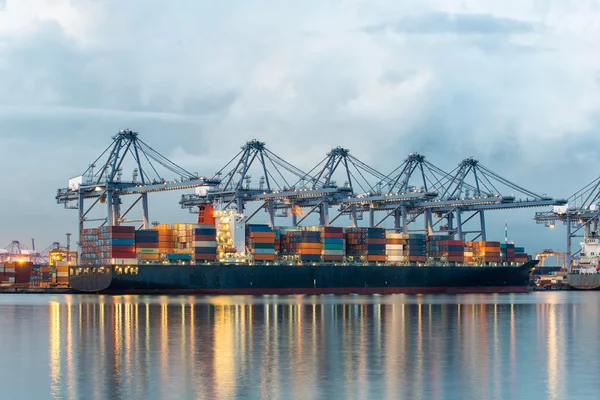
(416, 188)
(580, 212)
(102, 182)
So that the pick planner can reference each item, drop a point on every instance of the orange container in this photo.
(148, 257)
(377, 258)
(306, 246)
(263, 240)
(264, 257)
(310, 251)
(265, 235)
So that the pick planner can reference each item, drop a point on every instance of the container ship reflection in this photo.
(130, 347)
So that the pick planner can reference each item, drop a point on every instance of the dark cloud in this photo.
(461, 24)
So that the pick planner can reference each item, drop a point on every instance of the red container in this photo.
(333, 258)
(204, 238)
(122, 249)
(332, 229)
(142, 245)
(121, 254)
(333, 235)
(119, 235)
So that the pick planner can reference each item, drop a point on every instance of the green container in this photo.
(333, 246)
(264, 245)
(146, 251)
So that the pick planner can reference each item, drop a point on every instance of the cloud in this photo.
(513, 84)
(460, 24)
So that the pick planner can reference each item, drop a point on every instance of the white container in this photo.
(394, 247)
(264, 251)
(333, 252)
(205, 244)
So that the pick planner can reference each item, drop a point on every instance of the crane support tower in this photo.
(102, 182)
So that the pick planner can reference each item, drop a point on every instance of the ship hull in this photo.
(584, 281)
(319, 279)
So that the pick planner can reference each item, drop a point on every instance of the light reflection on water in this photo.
(540, 345)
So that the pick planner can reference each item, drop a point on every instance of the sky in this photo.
(514, 84)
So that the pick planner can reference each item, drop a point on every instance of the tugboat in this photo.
(585, 272)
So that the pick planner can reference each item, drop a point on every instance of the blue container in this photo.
(204, 231)
(173, 257)
(333, 241)
(205, 250)
(185, 256)
(121, 242)
(456, 248)
(310, 257)
(376, 233)
(258, 228)
(371, 248)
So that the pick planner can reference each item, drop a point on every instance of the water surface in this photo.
(519, 346)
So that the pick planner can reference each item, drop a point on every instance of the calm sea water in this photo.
(526, 346)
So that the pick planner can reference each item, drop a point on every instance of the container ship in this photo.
(229, 256)
(585, 273)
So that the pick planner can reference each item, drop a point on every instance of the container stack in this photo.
(417, 247)
(487, 252)
(204, 242)
(437, 247)
(376, 245)
(8, 273)
(469, 253)
(304, 245)
(108, 245)
(260, 240)
(332, 239)
(507, 252)
(455, 251)
(62, 273)
(166, 239)
(395, 245)
(146, 245)
(366, 244)
(45, 275)
(520, 255)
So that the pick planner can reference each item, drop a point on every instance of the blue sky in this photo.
(512, 83)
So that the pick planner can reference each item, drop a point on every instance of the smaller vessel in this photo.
(585, 272)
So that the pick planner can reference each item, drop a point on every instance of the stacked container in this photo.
(395, 245)
(260, 240)
(146, 245)
(487, 252)
(166, 239)
(332, 239)
(9, 273)
(366, 244)
(417, 247)
(204, 243)
(507, 252)
(437, 247)
(376, 244)
(520, 255)
(108, 245)
(305, 245)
